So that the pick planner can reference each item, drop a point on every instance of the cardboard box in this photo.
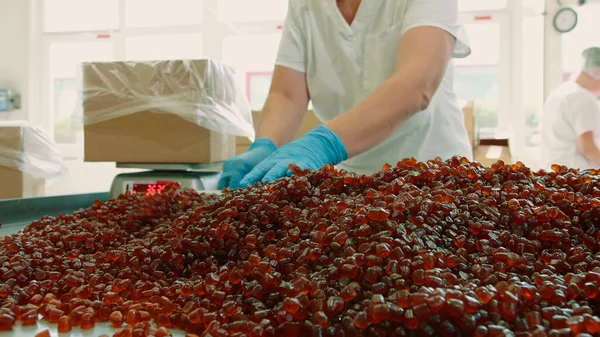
(146, 112)
(16, 184)
(488, 155)
(310, 122)
(15, 145)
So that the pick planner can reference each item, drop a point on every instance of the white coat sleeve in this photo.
(292, 47)
(586, 116)
(442, 14)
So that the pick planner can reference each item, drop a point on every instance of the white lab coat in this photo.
(345, 63)
(569, 112)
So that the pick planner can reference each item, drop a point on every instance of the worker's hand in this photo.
(236, 168)
(316, 149)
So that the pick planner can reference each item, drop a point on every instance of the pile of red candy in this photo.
(421, 249)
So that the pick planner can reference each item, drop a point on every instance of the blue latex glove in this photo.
(236, 168)
(316, 149)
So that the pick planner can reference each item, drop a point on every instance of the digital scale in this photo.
(200, 177)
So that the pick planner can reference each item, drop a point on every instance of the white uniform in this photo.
(569, 112)
(345, 63)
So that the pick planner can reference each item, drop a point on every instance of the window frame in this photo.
(48, 119)
(502, 18)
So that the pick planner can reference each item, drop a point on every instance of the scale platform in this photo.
(200, 177)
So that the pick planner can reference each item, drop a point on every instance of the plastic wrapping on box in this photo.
(28, 149)
(203, 92)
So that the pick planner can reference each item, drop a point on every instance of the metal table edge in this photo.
(18, 211)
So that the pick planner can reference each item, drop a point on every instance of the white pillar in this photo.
(553, 70)
(517, 120)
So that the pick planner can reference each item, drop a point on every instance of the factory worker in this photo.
(380, 77)
(571, 119)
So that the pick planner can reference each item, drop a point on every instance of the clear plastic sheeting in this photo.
(203, 92)
(27, 148)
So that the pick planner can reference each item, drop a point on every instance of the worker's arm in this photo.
(288, 98)
(423, 56)
(588, 147)
(285, 107)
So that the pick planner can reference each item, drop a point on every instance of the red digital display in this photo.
(150, 189)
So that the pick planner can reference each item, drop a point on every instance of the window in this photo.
(257, 89)
(163, 47)
(485, 44)
(64, 62)
(156, 13)
(251, 11)
(80, 15)
(477, 77)
(480, 84)
(250, 53)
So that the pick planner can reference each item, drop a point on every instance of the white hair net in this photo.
(591, 63)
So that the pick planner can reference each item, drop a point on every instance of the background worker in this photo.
(571, 119)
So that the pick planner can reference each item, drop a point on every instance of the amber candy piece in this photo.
(4, 291)
(349, 292)
(436, 303)
(162, 320)
(472, 305)
(30, 317)
(6, 322)
(43, 333)
(162, 332)
(54, 314)
(560, 332)
(64, 324)
(291, 305)
(87, 321)
(576, 324)
(484, 295)
(410, 321)
(534, 318)
(361, 321)
(455, 307)
(320, 318)
(335, 305)
(126, 332)
(132, 317)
